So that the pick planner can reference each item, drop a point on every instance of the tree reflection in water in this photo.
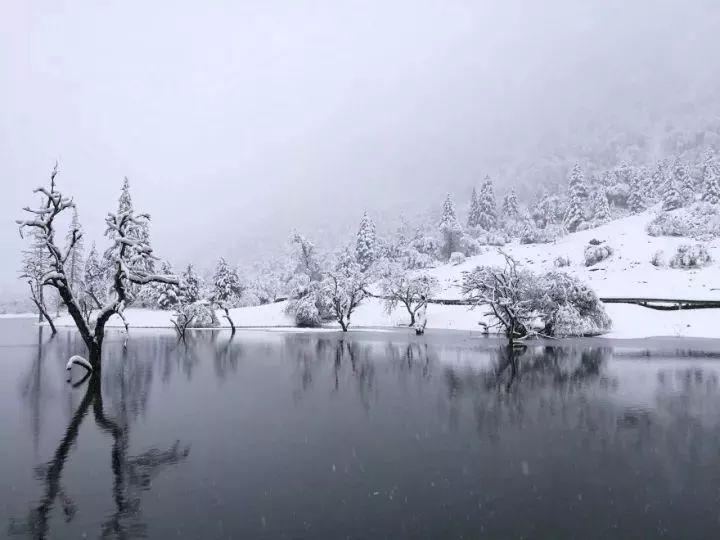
(127, 388)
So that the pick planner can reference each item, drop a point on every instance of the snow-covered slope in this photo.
(627, 273)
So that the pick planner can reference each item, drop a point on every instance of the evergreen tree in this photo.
(94, 280)
(601, 206)
(366, 243)
(166, 295)
(672, 196)
(75, 263)
(636, 200)
(307, 259)
(191, 286)
(473, 219)
(450, 229)
(511, 207)
(575, 217)
(683, 181)
(711, 180)
(227, 285)
(138, 231)
(488, 206)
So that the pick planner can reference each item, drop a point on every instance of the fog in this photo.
(239, 121)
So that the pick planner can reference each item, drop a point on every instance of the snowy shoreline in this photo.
(629, 321)
(627, 273)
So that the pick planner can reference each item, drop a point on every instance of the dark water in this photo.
(377, 435)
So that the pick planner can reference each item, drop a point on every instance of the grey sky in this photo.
(236, 121)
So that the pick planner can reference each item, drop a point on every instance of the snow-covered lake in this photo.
(368, 435)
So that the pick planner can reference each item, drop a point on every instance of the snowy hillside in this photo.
(627, 273)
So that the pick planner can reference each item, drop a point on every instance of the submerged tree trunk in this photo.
(43, 314)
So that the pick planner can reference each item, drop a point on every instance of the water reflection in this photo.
(125, 385)
(320, 433)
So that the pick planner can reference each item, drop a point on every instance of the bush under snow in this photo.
(701, 220)
(595, 253)
(690, 256)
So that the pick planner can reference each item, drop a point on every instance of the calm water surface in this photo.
(374, 435)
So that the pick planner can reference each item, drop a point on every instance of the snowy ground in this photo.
(628, 273)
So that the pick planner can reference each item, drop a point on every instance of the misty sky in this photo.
(236, 121)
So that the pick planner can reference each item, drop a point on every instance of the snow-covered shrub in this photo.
(573, 308)
(308, 304)
(196, 315)
(561, 261)
(658, 258)
(521, 300)
(531, 234)
(494, 238)
(457, 258)
(618, 194)
(690, 256)
(470, 246)
(700, 220)
(597, 253)
(668, 224)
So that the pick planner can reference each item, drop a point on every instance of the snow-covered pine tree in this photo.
(450, 229)
(191, 285)
(75, 247)
(575, 217)
(659, 180)
(473, 219)
(672, 196)
(167, 295)
(683, 181)
(139, 231)
(636, 198)
(488, 206)
(711, 179)
(601, 206)
(511, 207)
(94, 280)
(366, 243)
(227, 287)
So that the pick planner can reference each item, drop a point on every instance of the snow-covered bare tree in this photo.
(450, 229)
(366, 243)
(575, 217)
(128, 257)
(488, 207)
(75, 244)
(227, 288)
(410, 290)
(506, 292)
(307, 259)
(344, 287)
(35, 265)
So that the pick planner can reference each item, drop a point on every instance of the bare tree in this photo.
(127, 255)
(508, 293)
(413, 292)
(344, 287)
